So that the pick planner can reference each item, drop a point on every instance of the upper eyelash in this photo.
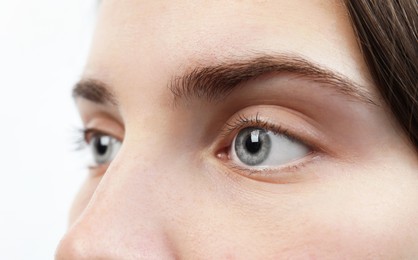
(256, 121)
(242, 121)
(81, 141)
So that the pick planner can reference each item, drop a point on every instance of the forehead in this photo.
(167, 36)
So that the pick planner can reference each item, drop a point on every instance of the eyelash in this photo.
(243, 121)
(84, 135)
(80, 142)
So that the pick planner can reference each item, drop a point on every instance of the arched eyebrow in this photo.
(214, 82)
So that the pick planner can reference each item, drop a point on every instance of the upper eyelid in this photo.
(242, 122)
(88, 133)
(293, 124)
(98, 116)
(103, 123)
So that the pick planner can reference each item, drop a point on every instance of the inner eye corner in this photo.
(223, 153)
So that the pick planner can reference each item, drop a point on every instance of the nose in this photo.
(86, 242)
(121, 221)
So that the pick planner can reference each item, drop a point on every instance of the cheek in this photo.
(357, 215)
(363, 214)
(369, 227)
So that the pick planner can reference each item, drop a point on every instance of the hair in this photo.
(387, 35)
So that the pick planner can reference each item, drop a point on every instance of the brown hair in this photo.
(387, 35)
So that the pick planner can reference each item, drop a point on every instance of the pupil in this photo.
(252, 147)
(100, 147)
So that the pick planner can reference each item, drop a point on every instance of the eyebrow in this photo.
(213, 83)
(94, 90)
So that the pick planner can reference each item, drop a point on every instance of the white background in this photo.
(43, 47)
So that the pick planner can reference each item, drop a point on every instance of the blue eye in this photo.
(103, 148)
(263, 148)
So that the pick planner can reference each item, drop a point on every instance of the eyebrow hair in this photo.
(216, 82)
(94, 90)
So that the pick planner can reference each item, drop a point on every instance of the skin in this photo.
(173, 191)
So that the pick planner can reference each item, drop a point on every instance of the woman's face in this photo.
(234, 129)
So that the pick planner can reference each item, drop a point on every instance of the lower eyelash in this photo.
(276, 172)
(266, 171)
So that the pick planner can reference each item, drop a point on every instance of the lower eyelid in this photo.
(97, 170)
(292, 167)
(287, 167)
(286, 174)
